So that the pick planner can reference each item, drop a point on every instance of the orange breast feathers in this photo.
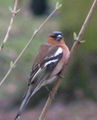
(64, 60)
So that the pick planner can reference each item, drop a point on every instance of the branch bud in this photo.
(58, 5)
(74, 36)
(12, 64)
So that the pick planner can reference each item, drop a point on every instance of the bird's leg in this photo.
(50, 92)
(47, 88)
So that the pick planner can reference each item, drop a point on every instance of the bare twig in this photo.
(73, 49)
(84, 26)
(49, 100)
(12, 65)
(14, 12)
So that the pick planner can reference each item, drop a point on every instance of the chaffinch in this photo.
(47, 66)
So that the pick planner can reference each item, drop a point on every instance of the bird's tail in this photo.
(25, 102)
(41, 78)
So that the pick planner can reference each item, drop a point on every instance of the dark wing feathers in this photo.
(47, 60)
(35, 68)
(42, 53)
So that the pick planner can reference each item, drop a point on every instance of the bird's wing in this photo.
(47, 64)
(42, 53)
(39, 76)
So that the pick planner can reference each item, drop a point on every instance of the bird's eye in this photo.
(59, 37)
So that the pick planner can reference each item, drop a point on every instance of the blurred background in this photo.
(77, 97)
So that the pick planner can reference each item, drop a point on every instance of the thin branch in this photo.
(49, 100)
(13, 64)
(84, 26)
(14, 12)
(73, 49)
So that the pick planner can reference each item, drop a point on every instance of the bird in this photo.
(47, 66)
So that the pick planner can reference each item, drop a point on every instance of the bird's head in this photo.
(55, 38)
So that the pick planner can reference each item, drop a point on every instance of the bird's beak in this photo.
(59, 38)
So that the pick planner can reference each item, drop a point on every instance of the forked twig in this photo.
(12, 65)
(14, 12)
(73, 49)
